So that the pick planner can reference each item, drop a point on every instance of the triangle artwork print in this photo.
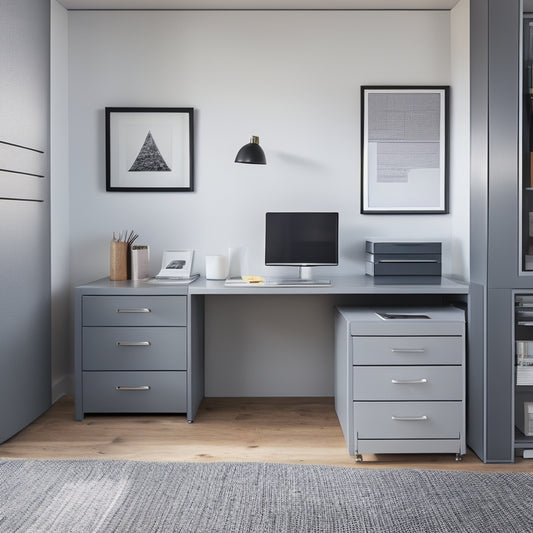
(149, 158)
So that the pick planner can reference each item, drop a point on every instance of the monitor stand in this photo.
(304, 279)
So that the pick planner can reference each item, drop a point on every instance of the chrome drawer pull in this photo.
(140, 343)
(410, 418)
(141, 388)
(139, 310)
(407, 350)
(408, 381)
(407, 261)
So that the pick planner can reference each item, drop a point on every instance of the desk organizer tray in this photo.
(388, 258)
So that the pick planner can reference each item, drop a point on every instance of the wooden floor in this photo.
(282, 430)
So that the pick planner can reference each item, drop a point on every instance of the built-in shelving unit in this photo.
(523, 376)
(527, 148)
(523, 330)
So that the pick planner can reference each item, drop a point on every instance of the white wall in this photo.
(460, 138)
(62, 362)
(293, 78)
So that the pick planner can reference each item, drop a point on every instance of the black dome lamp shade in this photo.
(251, 153)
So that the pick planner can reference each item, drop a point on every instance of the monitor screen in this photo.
(301, 239)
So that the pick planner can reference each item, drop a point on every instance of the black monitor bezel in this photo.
(302, 264)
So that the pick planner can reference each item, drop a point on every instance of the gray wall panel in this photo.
(478, 140)
(503, 83)
(495, 62)
(24, 316)
(475, 371)
(500, 389)
(25, 237)
(25, 46)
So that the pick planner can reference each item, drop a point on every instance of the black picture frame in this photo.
(149, 149)
(404, 149)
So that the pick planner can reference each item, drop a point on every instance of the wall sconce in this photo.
(251, 153)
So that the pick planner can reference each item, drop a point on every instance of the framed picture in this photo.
(176, 264)
(149, 149)
(404, 152)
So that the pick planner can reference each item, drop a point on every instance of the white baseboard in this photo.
(64, 386)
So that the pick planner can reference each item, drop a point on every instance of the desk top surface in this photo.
(344, 285)
(340, 285)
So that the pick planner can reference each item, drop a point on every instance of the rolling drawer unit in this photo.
(131, 350)
(400, 380)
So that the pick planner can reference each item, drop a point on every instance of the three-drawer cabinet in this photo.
(131, 350)
(400, 379)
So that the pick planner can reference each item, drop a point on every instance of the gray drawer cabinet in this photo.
(131, 349)
(400, 379)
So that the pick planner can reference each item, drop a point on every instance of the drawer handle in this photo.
(410, 418)
(409, 381)
(139, 310)
(140, 343)
(407, 261)
(141, 388)
(407, 350)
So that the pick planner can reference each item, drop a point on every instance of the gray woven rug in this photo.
(93, 496)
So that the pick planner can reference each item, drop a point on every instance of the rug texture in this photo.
(126, 496)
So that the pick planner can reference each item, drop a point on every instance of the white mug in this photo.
(216, 267)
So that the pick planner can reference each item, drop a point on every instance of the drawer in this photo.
(134, 348)
(134, 392)
(408, 420)
(134, 310)
(408, 383)
(412, 321)
(407, 350)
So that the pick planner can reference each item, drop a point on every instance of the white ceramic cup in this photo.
(216, 267)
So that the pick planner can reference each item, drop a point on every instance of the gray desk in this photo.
(349, 290)
(345, 285)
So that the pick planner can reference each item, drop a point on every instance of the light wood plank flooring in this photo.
(282, 430)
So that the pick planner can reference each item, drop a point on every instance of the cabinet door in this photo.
(24, 315)
(24, 213)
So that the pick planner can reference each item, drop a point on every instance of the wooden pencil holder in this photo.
(118, 261)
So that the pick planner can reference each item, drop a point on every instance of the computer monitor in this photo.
(302, 240)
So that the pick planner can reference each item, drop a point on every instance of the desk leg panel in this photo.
(343, 378)
(195, 366)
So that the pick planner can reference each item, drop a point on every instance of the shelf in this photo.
(521, 441)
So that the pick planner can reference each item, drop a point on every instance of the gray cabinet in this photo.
(25, 352)
(131, 348)
(400, 379)
(501, 200)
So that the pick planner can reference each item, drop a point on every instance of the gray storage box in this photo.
(403, 258)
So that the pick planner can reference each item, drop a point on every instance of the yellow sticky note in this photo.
(253, 279)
